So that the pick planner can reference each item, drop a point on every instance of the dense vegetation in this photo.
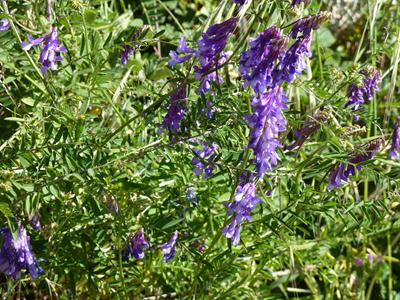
(199, 149)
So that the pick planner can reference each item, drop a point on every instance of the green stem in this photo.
(390, 279)
(121, 269)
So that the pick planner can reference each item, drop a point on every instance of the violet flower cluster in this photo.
(169, 248)
(135, 246)
(17, 255)
(266, 122)
(240, 2)
(293, 63)
(204, 159)
(264, 67)
(305, 25)
(210, 54)
(395, 148)
(256, 65)
(364, 92)
(176, 110)
(245, 200)
(4, 24)
(50, 46)
(341, 173)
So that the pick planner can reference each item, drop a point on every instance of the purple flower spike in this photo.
(211, 54)
(244, 201)
(204, 159)
(135, 245)
(4, 24)
(257, 63)
(311, 125)
(176, 110)
(169, 248)
(240, 2)
(293, 63)
(16, 255)
(266, 122)
(297, 2)
(395, 148)
(359, 94)
(307, 24)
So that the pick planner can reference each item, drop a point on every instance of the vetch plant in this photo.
(258, 140)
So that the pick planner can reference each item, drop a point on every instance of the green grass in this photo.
(74, 138)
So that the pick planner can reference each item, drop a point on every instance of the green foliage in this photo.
(85, 137)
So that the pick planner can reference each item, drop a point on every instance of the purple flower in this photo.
(297, 2)
(129, 49)
(211, 53)
(4, 24)
(207, 79)
(176, 110)
(244, 202)
(239, 2)
(370, 257)
(311, 125)
(266, 122)
(201, 246)
(338, 176)
(34, 219)
(341, 173)
(307, 24)
(358, 94)
(111, 203)
(135, 245)
(359, 262)
(176, 59)
(126, 54)
(257, 63)
(191, 194)
(169, 248)
(204, 159)
(51, 45)
(293, 62)
(395, 148)
(182, 48)
(16, 255)
(32, 42)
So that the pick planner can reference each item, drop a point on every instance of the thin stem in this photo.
(390, 279)
(48, 9)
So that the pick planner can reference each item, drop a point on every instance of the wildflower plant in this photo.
(199, 149)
